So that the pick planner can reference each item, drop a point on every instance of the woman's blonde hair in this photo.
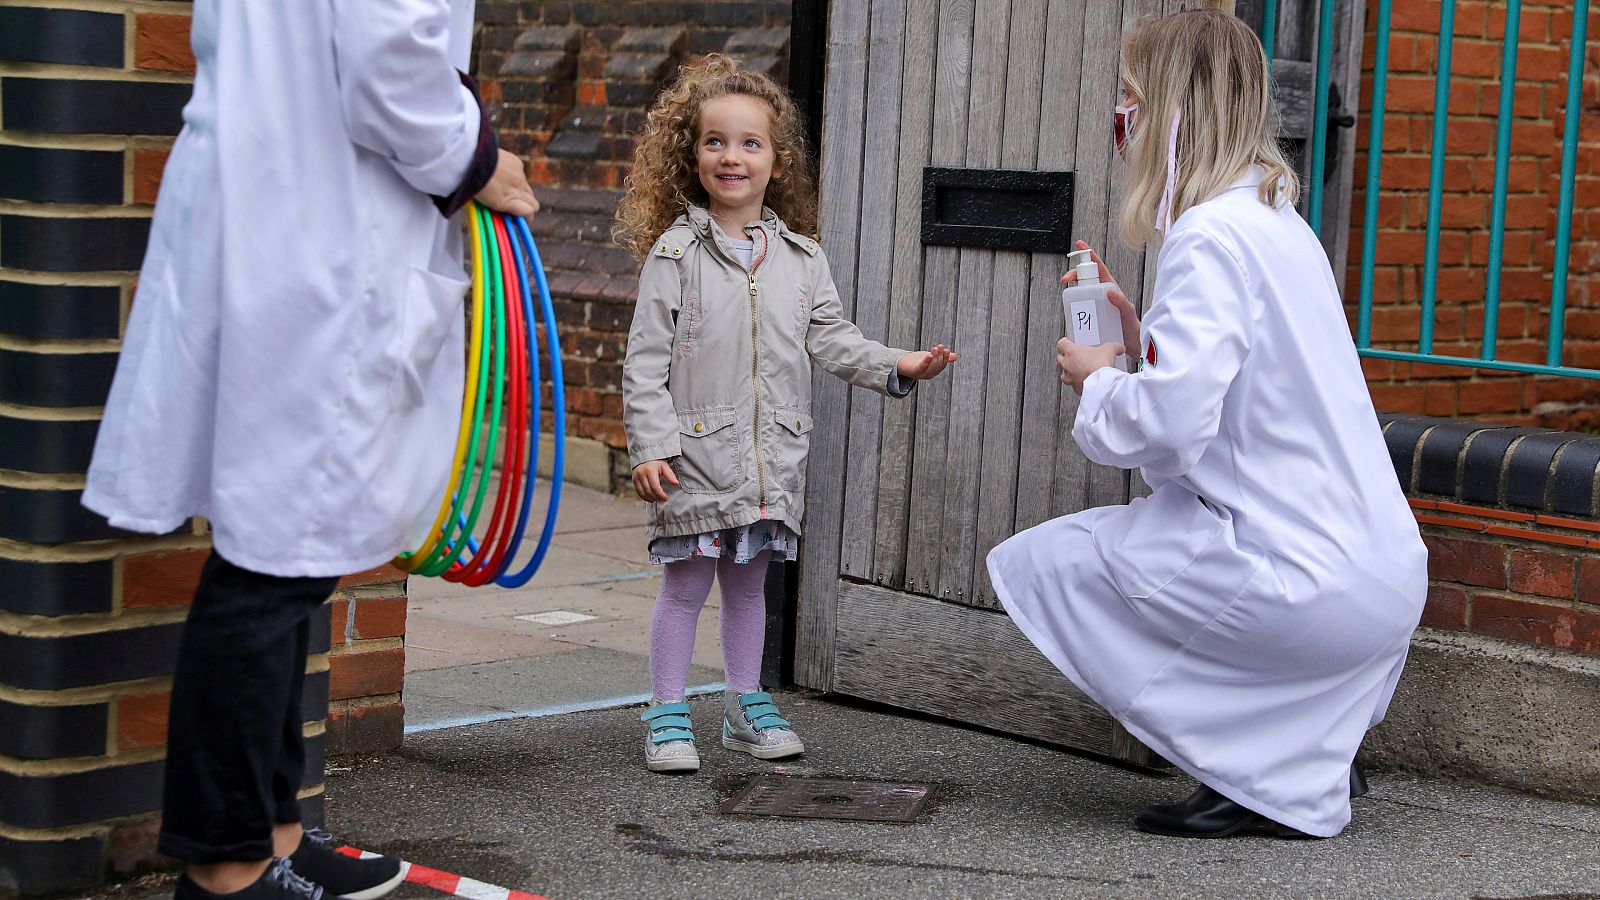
(665, 180)
(1210, 65)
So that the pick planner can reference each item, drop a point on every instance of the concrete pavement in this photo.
(511, 776)
(563, 807)
(577, 633)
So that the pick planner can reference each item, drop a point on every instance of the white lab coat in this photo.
(292, 367)
(1247, 621)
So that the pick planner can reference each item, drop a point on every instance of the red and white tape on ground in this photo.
(455, 885)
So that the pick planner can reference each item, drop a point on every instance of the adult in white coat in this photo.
(291, 371)
(1249, 619)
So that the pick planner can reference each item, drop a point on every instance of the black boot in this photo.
(1205, 814)
(1358, 781)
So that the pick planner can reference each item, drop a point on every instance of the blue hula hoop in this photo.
(526, 251)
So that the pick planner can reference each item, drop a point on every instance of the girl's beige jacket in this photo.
(717, 378)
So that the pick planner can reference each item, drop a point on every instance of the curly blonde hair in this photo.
(665, 178)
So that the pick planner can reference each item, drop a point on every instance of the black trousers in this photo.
(235, 752)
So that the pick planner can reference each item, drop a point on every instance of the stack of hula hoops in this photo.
(502, 397)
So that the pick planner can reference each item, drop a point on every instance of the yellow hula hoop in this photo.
(411, 561)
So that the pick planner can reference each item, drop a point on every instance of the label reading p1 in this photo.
(1085, 323)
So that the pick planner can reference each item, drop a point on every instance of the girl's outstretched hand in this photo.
(925, 364)
(647, 480)
(1130, 315)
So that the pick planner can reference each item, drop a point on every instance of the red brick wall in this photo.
(1523, 577)
(570, 82)
(1545, 40)
(364, 665)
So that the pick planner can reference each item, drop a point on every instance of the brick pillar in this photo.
(90, 616)
(367, 662)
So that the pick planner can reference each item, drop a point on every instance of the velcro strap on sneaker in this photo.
(665, 709)
(671, 734)
(754, 698)
(661, 722)
(764, 717)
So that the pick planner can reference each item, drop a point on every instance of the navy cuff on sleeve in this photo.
(484, 159)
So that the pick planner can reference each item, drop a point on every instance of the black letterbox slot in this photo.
(997, 209)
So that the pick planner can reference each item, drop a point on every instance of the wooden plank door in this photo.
(907, 497)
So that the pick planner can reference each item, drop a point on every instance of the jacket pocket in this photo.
(791, 445)
(426, 316)
(688, 326)
(1173, 558)
(710, 462)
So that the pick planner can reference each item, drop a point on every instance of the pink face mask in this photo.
(1122, 126)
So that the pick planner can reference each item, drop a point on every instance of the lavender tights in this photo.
(684, 588)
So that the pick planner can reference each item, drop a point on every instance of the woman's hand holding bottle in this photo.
(1077, 361)
(1130, 315)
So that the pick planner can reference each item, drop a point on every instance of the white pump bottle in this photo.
(1092, 319)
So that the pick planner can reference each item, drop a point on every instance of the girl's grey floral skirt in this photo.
(742, 544)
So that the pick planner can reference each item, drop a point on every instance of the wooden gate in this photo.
(908, 497)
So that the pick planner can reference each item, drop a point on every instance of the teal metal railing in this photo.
(1269, 28)
(1319, 119)
(1486, 358)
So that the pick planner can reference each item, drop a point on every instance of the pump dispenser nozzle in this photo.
(1082, 262)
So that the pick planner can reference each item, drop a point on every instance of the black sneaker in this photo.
(344, 877)
(278, 882)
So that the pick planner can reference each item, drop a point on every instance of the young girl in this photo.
(1248, 621)
(735, 301)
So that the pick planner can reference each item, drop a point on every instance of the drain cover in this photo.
(861, 800)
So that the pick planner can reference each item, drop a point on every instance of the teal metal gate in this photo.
(1487, 358)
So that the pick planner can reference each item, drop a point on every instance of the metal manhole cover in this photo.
(860, 800)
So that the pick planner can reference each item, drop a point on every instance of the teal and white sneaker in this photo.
(751, 724)
(669, 738)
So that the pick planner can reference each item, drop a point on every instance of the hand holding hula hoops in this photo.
(502, 386)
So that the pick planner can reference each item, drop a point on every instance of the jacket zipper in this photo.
(755, 372)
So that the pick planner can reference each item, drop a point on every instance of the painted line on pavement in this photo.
(630, 576)
(446, 882)
(561, 710)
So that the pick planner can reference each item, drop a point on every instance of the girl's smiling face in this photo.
(735, 156)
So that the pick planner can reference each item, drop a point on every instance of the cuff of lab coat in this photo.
(485, 156)
(1095, 389)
